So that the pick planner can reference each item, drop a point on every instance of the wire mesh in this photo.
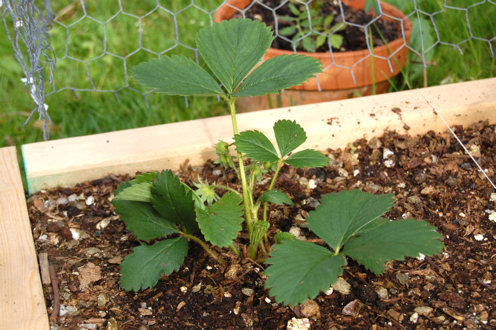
(85, 46)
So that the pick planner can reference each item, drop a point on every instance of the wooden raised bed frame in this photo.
(69, 161)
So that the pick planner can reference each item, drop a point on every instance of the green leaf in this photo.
(281, 236)
(336, 40)
(294, 10)
(139, 192)
(288, 30)
(173, 201)
(328, 20)
(143, 268)
(289, 136)
(307, 158)
(321, 39)
(276, 197)
(309, 44)
(256, 145)
(140, 178)
(142, 220)
(221, 222)
(232, 48)
(176, 75)
(393, 240)
(300, 270)
(279, 73)
(342, 215)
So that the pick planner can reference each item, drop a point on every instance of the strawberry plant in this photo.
(165, 215)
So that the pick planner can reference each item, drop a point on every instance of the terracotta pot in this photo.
(336, 81)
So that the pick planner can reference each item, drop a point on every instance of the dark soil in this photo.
(354, 34)
(432, 179)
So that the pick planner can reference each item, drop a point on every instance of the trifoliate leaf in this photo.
(142, 220)
(300, 270)
(289, 136)
(307, 158)
(221, 222)
(232, 48)
(176, 75)
(256, 146)
(393, 240)
(278, 73)
(277, 197)
(342, 215)
(143, 268)
(139, 192)
(173, 201)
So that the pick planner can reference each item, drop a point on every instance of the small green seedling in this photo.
(309, 29)
(165, 214)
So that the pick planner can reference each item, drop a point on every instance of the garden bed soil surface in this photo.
(431, 177)
(354, 37)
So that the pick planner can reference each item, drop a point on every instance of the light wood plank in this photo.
(68, 161)
(22, 305)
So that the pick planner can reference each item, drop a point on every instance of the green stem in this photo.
(242, 173)
(280, 162)
(221, 186)
(235, 250)
(205, 247)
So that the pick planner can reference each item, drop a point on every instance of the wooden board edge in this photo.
(22, 305)
(328, 125)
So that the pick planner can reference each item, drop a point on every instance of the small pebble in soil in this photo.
(423, 310)
(421, 256)
(90, 200)
(298, 324)
(311, 184)
(183, 289)
(102, 300)
(479, 237)
(267, 300)
(492, 216)
(352, 308)
(382, 293)
(342, 172)
(310, 308)
(329, 291)
(296, 232)
(414, 317)
(247, 291)
(342, 286)
(227, 295)
(68, 310)
(103, 224)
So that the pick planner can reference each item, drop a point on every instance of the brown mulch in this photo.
(354, 37)
(432, 179)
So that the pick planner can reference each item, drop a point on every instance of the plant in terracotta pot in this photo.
(349, 68)
(166, 214)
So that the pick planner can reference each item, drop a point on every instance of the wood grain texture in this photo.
(22, 305)
(328, 125)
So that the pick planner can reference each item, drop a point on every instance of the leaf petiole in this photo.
(204, 246)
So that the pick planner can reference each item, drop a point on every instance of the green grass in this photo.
(91, 112)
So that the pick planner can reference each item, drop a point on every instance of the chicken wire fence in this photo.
(89, 46)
